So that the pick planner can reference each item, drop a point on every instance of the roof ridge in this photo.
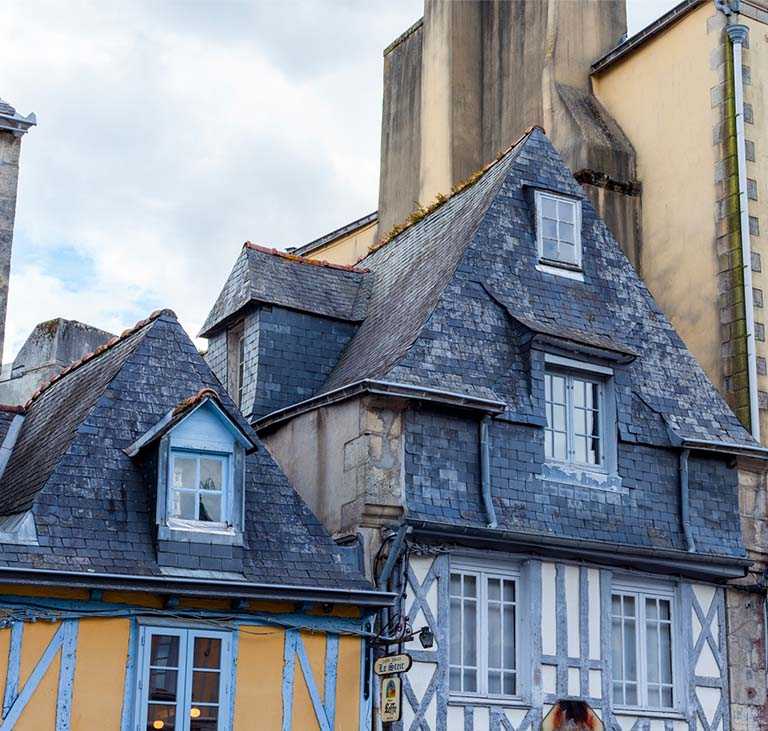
(441, 198)
(101, 349)
(298, 259)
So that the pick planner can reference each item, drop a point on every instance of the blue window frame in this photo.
(184, 680)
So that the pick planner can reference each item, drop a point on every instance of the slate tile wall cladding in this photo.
(296, 352)
(216, 356)
(443, 484)
(95, 509)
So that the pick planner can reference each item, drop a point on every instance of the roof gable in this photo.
(455, 294)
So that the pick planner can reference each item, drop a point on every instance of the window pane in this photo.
(567, 252)
(549, 228)
(162, 685)
(205, 686)
(184, 469)
(558, 389)
(666, 697)
(629, 606)
(210, 507)
(559, 451)
(566, 232)
(665, 653)
(161, 717)
(652, 651)
(509, 638)
(510, 684)
(494, 590)
(565, 210)
(164, 651)
(494, 637)
(630, 650)
(494, 682)
(455, 648)
(548, 207)
(204, 718)
(470, 586)
(509, 591)
(207, 652)
(631, 694)
(455, 679)
(184, 505)
(470, 633)
(455, 584)
(470, 681)
(580, 449)
(211, 477)
(550, 249)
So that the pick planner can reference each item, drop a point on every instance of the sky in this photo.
(171, 132)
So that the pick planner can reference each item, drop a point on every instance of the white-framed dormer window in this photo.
(558, 229)
(644, 641)
(183, 679)
(483, 654)
(575, 409)
(200, 487)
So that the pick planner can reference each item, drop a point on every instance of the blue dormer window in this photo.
(558, 230)
(201, 452)
(200, 487)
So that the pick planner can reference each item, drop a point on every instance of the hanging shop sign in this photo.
(392, 664)
(391, 699)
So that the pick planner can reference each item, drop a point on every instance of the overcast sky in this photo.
(171, 132)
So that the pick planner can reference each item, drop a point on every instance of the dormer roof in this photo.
(275, 277)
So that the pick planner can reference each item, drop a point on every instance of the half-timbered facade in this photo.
(157, 570)
(493, 407)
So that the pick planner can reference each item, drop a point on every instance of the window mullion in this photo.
(642, 685)
(569, 419)
(482, 631)
(184, 698)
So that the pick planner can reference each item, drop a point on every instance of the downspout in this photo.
(737, 32)
(685, 513)
(485, 470)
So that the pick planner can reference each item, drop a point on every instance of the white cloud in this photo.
(170, 132)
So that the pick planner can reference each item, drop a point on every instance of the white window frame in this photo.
(187, 636)
(641, 592)
(539, 197)
(226, 490)
(587, 377)
(482, 572)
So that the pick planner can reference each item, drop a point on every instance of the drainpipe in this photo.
(737, 32)
(485, 470)
(685, 517)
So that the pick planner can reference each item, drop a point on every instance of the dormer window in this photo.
(558, 230)
(201, 451)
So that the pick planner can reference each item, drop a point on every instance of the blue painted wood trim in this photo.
(366, 704)
(289, 655)
(15, 711)
(47, 608)
(129, 682)
(14, 666)
(309, 679)
(234, 645)
(67, 666)
(331, 672)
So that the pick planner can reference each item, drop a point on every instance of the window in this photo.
(183, 680)
(236, 362)
(574, 405)
(643, 649)
(198, 484)
(483, 617)
(558, 229)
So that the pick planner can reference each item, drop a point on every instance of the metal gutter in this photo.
(485, 470)
(685, 511)
(737, 33)
(381, 388)
(196, 587)
(739, 450)
(644, 35)
(659, 560)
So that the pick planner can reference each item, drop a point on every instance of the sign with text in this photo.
(392, 664)
(391, 699)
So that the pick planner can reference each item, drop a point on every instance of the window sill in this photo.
(487, 700)
(187, 532)
(673, 715)
(574, 273)
(569, 474)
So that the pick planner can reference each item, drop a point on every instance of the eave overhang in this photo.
(656, 560)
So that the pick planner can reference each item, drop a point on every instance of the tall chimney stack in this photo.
(12, 128)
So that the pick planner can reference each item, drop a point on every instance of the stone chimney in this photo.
(467, 80)
(12, 128)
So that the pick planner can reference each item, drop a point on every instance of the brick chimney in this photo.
(12, 128)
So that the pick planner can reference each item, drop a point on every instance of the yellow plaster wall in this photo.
(347, 249)
(40, 712)
(98, 691)
(660, 96)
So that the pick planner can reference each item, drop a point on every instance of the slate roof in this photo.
(437, 288)
(93, 505)
(275, 277)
